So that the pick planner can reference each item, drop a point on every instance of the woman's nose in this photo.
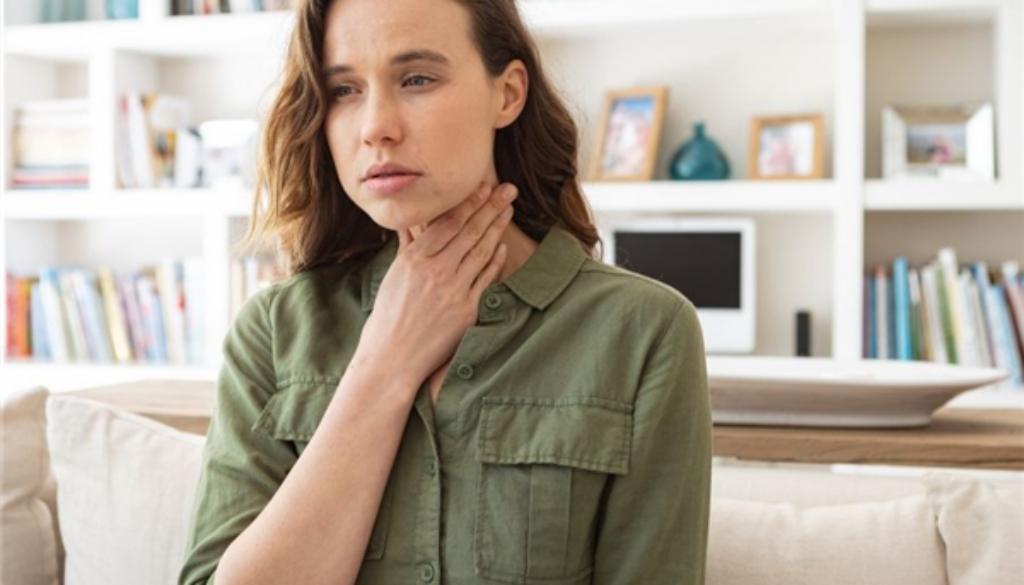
(382, 120)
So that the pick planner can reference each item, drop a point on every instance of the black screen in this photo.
(705, 267)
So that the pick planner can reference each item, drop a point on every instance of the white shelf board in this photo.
(935, 195)
(181, 36)
(175, 36)
(61, 377)
(711, 196)
(57, 204)
(555, 18)
(900, 14)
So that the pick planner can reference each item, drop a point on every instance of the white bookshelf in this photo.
(724, 61)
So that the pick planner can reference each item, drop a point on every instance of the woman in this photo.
(416, 403)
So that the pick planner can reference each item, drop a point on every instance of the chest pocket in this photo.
(544, 463)
(293, 415)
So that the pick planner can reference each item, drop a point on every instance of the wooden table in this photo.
(957, 437)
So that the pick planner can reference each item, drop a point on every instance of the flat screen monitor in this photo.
(709, 260)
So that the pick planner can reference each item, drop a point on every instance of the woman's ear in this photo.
(513, 86)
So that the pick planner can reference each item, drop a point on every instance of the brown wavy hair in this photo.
(302, 213)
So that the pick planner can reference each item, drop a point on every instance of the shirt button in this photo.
(431, 468)
(493, 301)
(465, 371)
(426, 573)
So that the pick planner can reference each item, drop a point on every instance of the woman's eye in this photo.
(339, 92)
(423, 77)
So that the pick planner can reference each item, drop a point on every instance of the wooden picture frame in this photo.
(787, 147)
(627, 144)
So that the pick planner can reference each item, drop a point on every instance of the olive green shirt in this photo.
(571, 440)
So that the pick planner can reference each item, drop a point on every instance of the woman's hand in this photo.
(430, 294)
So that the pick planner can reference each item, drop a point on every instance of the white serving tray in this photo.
(822, 392)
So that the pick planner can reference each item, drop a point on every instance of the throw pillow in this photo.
(982, 525)
(125, 486)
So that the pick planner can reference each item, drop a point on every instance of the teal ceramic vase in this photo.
(700, 159)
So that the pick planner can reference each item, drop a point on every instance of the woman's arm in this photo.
(655, 525)
(262, 515)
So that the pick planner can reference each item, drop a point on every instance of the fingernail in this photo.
(510, 193)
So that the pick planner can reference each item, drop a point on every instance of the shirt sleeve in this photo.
(655, 524)
(241, 469)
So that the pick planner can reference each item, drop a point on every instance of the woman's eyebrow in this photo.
(400, 59)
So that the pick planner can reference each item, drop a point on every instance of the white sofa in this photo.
(92, 494)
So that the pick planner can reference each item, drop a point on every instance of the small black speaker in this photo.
(803, 333)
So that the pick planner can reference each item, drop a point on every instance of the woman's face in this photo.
(407, 86)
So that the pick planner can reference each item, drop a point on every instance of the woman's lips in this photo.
(390, 184)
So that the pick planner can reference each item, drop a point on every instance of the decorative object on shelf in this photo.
(204, 7)
(63, 10)
(229, 152)
(627, 144)
(824, 392)
(700, 159)
(787, 147)
(148, 125)
(122, 9)
(941, 142)
(803, 333)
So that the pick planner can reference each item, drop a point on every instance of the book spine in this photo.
(901, 316)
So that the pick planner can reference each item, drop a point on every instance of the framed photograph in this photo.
(627, 144)
(787, 147)
(946, 143)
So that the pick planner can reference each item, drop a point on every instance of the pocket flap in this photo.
(293, 414)
(584, 432)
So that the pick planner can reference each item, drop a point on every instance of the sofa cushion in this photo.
(982, 526)
(875, 542)
(125, 486)
(29, 540)
(805, 485)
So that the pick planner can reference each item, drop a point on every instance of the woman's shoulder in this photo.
(307, 292)
(614, 286)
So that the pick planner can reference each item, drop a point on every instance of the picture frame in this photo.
(787, 147)
(948, 143)
(627, 144)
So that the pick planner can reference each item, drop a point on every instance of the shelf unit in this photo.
(724, 62)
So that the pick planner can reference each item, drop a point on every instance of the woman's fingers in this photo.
(477, 228)
(448, 225)
(490, 274)
(481, 249)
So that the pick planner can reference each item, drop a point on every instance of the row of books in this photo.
(186, 7)
(157, 145)
(153, 314)
(946, 312)
(51, 144)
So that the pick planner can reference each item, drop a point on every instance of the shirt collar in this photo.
(538, 282)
